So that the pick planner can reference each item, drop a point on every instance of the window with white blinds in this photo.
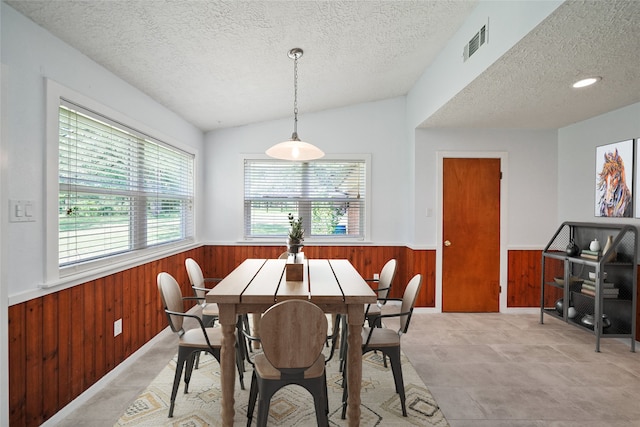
(119, 189)
(329, 195)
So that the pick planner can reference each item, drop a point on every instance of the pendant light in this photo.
(294, 149)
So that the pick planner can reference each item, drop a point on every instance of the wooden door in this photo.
(471, 235)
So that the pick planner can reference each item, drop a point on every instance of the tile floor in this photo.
(483, 369)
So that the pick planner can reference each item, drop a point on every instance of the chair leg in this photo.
(253, 395)
(396, 367)
(240, 366)
(187, 374)
(320, 402)
(345, 394)
(343, 343)
(326, 393)
(240, 350)
(264, 401)
(197, 364)
(176, 380)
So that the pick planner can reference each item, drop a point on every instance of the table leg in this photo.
(354, 363)
(227, 321)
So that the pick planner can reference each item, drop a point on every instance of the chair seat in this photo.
(381, 337)
(211, 309)
(194, 338)
(268, 372)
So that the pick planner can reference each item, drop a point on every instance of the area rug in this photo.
(291, 406)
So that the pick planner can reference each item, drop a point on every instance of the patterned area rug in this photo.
(291, 406)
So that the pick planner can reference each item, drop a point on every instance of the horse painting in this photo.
(615, 196)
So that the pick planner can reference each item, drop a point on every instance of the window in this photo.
(119, 189)
(329, 195)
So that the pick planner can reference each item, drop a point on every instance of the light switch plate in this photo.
(21, 211)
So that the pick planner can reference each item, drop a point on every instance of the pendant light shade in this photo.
(294, 149)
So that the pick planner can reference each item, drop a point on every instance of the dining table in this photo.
(334, 285)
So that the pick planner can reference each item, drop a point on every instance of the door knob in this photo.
(447, 243)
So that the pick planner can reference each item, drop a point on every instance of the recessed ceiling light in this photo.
(586, 82)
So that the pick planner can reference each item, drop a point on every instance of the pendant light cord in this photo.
(295, 96)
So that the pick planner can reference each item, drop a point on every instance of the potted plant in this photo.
(296, 235)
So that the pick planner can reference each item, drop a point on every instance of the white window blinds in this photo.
(119, 190)
(329, 195)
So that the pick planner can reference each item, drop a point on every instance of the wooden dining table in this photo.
(332, 284)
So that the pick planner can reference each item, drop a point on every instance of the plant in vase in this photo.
(296, 235)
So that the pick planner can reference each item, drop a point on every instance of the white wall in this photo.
(29, 55)
(508, 22)
(376, 128)
(531, 174)
(577, 161)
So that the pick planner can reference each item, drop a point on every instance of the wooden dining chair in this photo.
(210, 311)
(292, 336)
(387, 340)
(192, 341)
(372, 311)
(384, 282)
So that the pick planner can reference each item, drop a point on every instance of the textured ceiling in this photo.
(530, 86)
(224, 63)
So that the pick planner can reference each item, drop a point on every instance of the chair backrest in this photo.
(195, 275)
(171, 296)
(408, 301)
(284, 255)
(386, 278)
(293, 334)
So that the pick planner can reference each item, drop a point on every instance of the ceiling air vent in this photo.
(479, 39)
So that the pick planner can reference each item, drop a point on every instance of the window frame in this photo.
(56, 274)
(308, 239)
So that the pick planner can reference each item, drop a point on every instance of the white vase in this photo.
(594, 245)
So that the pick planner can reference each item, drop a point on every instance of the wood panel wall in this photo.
(221, 260)
(62, 343)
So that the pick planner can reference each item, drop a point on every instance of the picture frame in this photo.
(614, 175)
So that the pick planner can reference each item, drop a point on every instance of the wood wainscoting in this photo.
(221, 260)
(524, 272)
(62, 343)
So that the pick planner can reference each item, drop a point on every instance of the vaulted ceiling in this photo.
(224, 63)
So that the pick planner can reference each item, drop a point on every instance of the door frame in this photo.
(503, 156)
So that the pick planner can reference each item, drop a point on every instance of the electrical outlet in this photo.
(376, 276)
(117, 327)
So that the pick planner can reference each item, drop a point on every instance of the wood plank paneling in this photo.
(127, 314)
(524, 276)
(70, 343)
(50, 355)
(64, 347)
(218, 261)
(70, 340)
(108, 318)
(77, 342)
(17, 364)
(33, 368)
(91, 305)
(524, 279)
